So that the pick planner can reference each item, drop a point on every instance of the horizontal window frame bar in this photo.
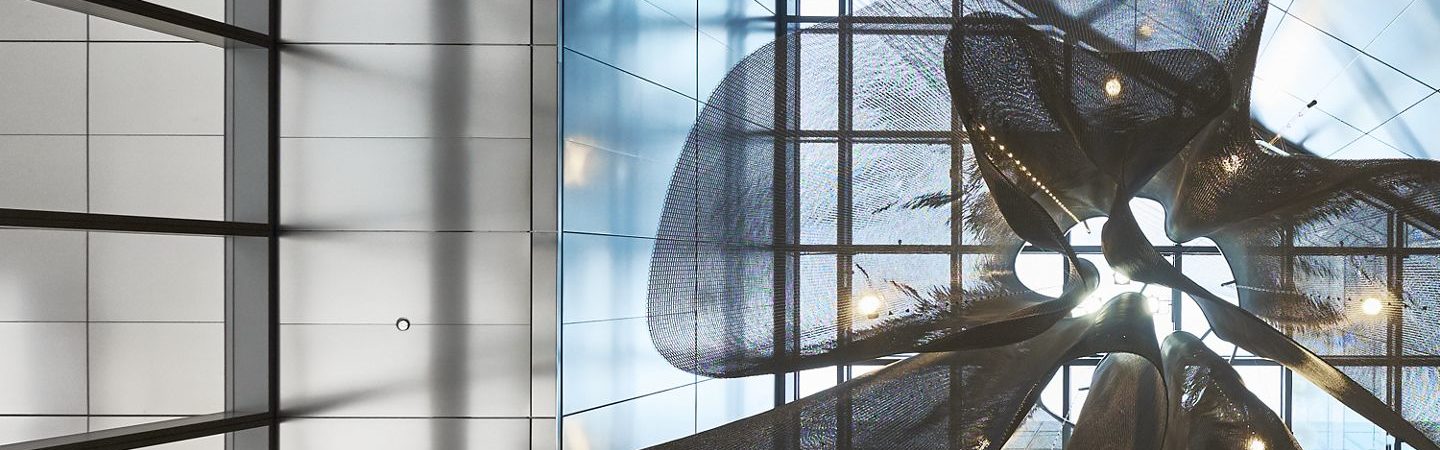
(935, 249)
(892, 20)
(26, 218)
(1337, 361)
(151, 434)
(170, 21)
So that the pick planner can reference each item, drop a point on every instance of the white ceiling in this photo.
(1373, 66)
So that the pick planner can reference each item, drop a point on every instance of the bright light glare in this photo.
(869, 306)
(1255, 444)
(1112, 87)
(1371, 306)
(1145, 31)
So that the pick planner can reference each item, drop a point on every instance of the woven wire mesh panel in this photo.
(978, 126)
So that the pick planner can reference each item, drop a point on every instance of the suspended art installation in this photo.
(1059, 112)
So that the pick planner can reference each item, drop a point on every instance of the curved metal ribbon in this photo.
(1210, 407)
(975, 398)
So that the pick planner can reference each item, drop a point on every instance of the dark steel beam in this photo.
(150, 434)
(168, 20)
(135, 224)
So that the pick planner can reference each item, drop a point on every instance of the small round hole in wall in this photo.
(402, 324)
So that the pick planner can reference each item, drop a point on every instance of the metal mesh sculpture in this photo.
(1070, 110)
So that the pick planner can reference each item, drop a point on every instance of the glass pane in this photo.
(1322, 423)
(820, 7)
(818, 182)
(815, 380)
(1421, 324)
(898, 284)
(890, 181)
(1266, 382)
(1079, 389)
(819, 81)
(818, 300)
(895, 75)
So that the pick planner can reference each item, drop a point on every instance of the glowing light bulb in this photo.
(1371, 306)
(1255, 444)
(869, 306)
(1232, 163)
(1145, 31)
(1121, 279)
(1112, 87)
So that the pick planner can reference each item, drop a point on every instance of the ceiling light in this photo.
(869, 306)
(1145, 31)
(1371, 306)
(1255, 444)
(1112, 87)
(1232, 163)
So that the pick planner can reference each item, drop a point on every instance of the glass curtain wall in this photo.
(842, 258)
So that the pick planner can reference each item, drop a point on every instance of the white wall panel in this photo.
(165, 176)
(406, 184)
(543, 434)
(544, 331)
(151, 277)
(399, 91)
(401, 224)
(545, 26)
(428, 371)
(545, 140)
(44, 88)
(416, 434)
(42, 172)
(376, 278)
(31, 20)
(42, 275)
(148, 88)
(407, 21)
(44, 370)
(157, 368)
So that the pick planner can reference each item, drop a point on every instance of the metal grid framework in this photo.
(844, 250)
(250, 227)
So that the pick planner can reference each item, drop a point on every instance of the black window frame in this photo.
(251, 225)
(790, 18)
